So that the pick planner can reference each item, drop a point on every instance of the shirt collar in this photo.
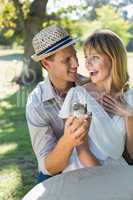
(49, 92)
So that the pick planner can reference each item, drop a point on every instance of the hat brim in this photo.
(37, 58)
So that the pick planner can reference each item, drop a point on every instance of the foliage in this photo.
(7, 21)
(20, 20)
(114, 22)
(69, 18)
(14, 15)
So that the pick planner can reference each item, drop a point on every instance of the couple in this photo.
(87, 140)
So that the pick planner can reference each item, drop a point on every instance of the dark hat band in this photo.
(56, 45)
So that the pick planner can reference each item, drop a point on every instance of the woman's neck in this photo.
(105, 86)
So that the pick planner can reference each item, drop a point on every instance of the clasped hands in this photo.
(76, 130)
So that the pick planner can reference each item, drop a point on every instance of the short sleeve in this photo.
(128, 97)
(75, 95)
(42, 137)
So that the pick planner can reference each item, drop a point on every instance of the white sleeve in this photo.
(66, 109)
(128, 97)
(76, 95)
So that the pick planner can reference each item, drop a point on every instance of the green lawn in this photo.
(17, 162)
(130, 54)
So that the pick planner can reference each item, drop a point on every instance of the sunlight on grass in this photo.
(6, 126)
(5, 104)
(10, 180)
(9, 130)
(5, 148)
(11, 51)
(130, 54)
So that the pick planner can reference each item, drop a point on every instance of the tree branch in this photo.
(38, 8)
(51, 17)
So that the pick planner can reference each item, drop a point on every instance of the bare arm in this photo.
(86, 157)
(57, 160)
(84, 153)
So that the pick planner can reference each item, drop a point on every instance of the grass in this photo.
(17, 162)
(130, 54)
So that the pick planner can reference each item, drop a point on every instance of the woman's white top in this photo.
(106, 135)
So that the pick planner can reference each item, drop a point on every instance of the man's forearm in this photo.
(57, 160)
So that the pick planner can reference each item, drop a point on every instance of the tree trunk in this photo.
(32, 72)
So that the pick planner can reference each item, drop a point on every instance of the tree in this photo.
(20, 20)
(91, 6)
(108, 17)
(24, 18)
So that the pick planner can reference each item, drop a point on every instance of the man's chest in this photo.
(51, 110)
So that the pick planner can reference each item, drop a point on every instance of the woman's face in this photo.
(98, 65)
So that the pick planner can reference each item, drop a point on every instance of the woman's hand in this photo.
(116, 106)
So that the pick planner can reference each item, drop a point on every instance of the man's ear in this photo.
(45, 63)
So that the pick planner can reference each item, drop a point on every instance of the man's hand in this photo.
(76, 130)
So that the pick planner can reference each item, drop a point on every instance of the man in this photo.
(52, 142)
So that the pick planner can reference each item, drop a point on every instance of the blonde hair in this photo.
(109, 43)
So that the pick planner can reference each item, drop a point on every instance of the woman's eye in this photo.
(96, 58)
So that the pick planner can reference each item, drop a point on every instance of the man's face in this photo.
(64, 65)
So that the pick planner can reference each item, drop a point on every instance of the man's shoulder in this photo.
(35, 97)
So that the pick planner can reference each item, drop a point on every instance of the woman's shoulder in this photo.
(86, 88)
(75, 90)
(78, 93)
(82, 91)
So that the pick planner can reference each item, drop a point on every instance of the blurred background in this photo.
(20, 20)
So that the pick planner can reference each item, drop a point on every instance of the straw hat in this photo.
(50, 40)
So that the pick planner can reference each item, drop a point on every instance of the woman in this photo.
(108, 98)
